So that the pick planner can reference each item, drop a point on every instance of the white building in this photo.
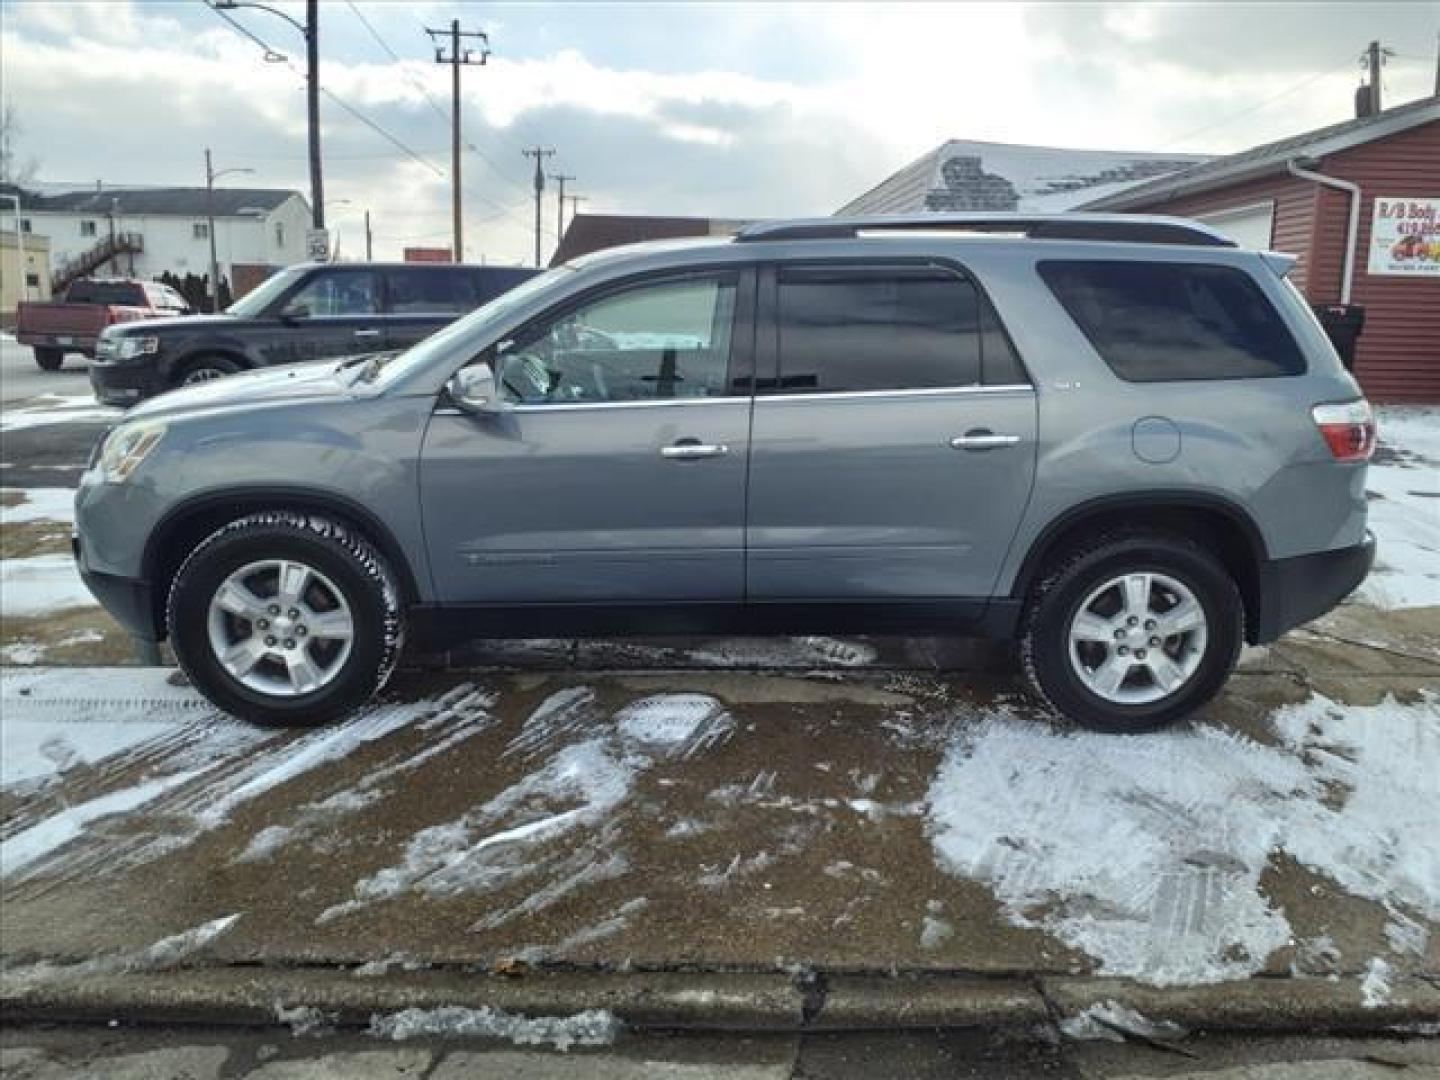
(145, 232)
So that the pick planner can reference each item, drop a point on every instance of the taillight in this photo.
(1348, 428)
(111, 317)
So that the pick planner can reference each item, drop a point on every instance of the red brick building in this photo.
(1315, 195)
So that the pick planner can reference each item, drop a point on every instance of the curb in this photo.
(258, 995)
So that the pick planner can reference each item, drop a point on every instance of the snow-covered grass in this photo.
(1147, 854)
(1405, 516)
(57, 409)
(41, 585)
(37, 504)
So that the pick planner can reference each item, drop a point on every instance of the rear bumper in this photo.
(130, 601)
(124, 384)
(1294, 591)
(71, 343)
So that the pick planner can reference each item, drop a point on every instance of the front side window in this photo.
(852, 329)
(1152, 322)
(651, 342)
(346, 292)
(438, 290)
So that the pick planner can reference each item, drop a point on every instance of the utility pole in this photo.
(539, 154)
(458, 58)
(560, 179)
(210, 177)
(1437, 63)
(575, 201)
(369, 247)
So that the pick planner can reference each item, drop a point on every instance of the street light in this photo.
(211, 175)
(310, 31)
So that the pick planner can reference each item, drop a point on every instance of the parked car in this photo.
(73, 324)
(307, 312)
(1121, 440)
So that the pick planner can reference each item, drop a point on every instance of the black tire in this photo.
(1070, 579)
(48, 359)
(346, 559)
(205, 368)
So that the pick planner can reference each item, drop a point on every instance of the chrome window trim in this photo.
(856, 395)
(573, 406)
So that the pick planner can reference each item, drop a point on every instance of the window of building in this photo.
(662, 340)
(200, 230)
(1152, 322)
(279, 234)
(87, 228)
(25, 225)
(856, 328)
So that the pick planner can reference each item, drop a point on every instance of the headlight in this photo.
(125, 448)
(137, 346)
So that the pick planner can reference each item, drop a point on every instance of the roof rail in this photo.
(1118, 228)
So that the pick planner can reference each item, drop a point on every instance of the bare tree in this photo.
(13, 168)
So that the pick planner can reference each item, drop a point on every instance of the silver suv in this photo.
(1121, 440)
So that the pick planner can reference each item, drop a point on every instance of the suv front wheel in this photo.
(285, 618)
(1132, 631)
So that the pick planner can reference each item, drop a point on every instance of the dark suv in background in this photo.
(307, 312)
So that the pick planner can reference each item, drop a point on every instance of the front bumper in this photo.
(129, 601)
(124, 384)
(1294, 591)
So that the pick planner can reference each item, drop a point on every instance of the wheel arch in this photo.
(193, 520)
(201, 352)
(1213, 520)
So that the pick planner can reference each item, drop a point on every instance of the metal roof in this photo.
(157, 202)
(1273, 155)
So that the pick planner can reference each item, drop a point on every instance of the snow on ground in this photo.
(57, 409)
(41, 585)
(37, 504)
(1405, 517)
(1147, 853)
(593, 1027)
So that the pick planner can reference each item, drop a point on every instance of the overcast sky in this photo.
(723, 110)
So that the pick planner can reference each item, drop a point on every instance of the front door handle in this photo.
(367, 335)
(691, 449)
(983, 439)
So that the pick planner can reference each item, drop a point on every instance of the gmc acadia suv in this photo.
(1119, 439)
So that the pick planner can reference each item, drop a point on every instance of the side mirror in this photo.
(472, 390)
(294, 313)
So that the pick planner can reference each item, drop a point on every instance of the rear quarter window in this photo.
(1155, 321)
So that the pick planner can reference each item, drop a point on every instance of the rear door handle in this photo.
(368, 334)
(983, 439)
(691, 450)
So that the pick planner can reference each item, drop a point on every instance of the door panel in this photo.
(864, 497)
(581, 503)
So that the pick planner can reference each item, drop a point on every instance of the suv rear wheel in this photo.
(282, 618)
(1132, 631)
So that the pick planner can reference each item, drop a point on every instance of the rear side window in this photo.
(123, 293)
(848, 329)
(434, 290)
(1152, 322)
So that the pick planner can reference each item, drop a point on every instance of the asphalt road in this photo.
(21, 379)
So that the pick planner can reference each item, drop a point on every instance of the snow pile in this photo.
(1406, 516)
(163, 955)
(593, 1027)
(680, 724)
(1112, 1021)
(1375, 986)
(38, 504)
(35, 749)
(1146, 854)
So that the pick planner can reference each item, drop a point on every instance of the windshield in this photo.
(253, 303)
(496, 310)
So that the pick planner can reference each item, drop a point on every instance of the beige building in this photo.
(35, 274)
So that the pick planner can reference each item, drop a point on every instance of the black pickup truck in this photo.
(307, 312)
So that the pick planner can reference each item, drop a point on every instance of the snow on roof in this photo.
(967, 175)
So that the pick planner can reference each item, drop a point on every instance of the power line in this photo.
(1347, 66)
(409, 76)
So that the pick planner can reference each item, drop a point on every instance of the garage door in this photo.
(1248, 226)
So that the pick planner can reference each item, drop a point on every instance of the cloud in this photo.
(728, 110)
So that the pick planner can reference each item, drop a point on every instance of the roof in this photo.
(593, 232)
(967, 175)
(1120, 228)
(158, 202)
(1273, 156)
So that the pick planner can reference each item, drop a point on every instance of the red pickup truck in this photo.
(73, 323)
